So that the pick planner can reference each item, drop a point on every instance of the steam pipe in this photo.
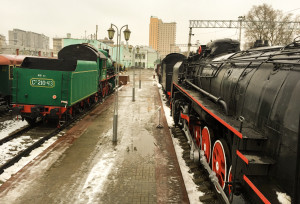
(214, 98)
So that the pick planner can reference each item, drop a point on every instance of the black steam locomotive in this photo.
(240, 113)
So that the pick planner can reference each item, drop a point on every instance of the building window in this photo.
(144, 64)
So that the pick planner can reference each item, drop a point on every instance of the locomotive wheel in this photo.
(102, 89)
(107, 89)
(175, 113)
(97, 98)
(197, 134)
(206, 139)
(229, 179)
(220, 161)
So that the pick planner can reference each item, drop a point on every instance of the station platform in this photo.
(84, 166)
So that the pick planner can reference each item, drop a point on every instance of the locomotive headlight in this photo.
(54, 97)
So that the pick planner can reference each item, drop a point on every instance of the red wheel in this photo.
(197, 134)
(96, 98)
(229, 179)
(206, 143)
(220, 158)
(106, 90)
(103, 92)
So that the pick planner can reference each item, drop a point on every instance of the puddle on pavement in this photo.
(142, 144)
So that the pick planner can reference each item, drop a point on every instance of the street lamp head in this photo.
(137, 49)
(111, 33)
(127, 33)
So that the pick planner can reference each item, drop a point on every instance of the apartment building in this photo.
(162, 36)
(27, 43)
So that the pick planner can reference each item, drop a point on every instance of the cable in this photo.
(291, 10)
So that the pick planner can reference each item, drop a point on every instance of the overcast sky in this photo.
(56, 18)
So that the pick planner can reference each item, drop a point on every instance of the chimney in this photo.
(40, 53)
(17, 51)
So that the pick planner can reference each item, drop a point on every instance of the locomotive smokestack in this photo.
(266, 43)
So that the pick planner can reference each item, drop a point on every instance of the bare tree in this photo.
(265, 25)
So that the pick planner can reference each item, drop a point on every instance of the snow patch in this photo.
(97, 176)
(9, 126)
(13, 147)
(283, 198)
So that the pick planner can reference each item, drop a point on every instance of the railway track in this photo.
(30, 137)
(15, 134)
(200, 175)
(34, 136)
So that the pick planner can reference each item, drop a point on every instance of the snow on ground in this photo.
(13, 147)
(7, 149)
(9, 126)
(283, 198)
(190, 186)
(97, 176)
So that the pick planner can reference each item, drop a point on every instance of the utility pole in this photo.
(241, 19)
(189, 42)
(96, 32)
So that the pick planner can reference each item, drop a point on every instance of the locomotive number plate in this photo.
(38, 82)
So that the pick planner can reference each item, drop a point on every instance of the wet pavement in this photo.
(83, 166)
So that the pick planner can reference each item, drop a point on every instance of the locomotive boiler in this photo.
(240, 112)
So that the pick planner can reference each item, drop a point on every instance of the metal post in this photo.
(159, 118)
(140, 83)
(241, 19)
(133, 86)
(189, 42)
(115, 118)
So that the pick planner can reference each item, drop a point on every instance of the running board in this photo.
(255, 164)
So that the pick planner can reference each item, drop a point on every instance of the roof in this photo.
(80, 52)
(11, 59)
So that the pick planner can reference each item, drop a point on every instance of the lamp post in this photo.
(140, 84)
(137, 49)
(111, 33)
